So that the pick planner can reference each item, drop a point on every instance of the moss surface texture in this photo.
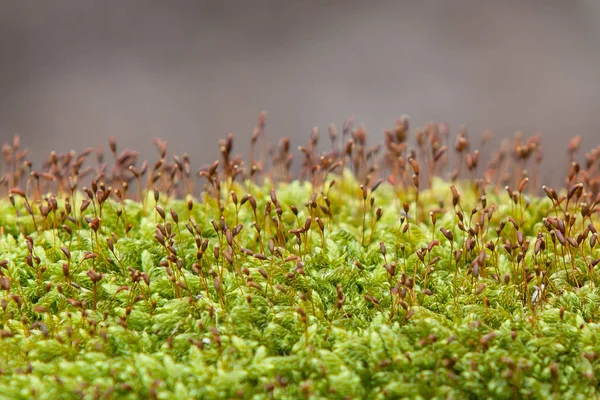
(365, 273)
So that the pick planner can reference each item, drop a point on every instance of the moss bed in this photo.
(372, 272)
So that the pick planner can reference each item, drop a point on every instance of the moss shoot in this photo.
(415, 268)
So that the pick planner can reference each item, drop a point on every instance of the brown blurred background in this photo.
(74, 72)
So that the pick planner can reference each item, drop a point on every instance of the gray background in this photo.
(74, 72)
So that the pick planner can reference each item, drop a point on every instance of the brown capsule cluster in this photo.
(406, 159)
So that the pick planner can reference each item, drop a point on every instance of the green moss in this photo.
(371, 306)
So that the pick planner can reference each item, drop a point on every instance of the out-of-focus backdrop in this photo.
(74, 72)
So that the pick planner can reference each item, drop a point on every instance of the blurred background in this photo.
(74, 72)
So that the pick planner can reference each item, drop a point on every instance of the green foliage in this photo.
(326, 318)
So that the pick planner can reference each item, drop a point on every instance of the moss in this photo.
(330, 286)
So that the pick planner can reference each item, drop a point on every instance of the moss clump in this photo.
(338, 283)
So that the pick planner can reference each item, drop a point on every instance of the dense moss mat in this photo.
(184, 304)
